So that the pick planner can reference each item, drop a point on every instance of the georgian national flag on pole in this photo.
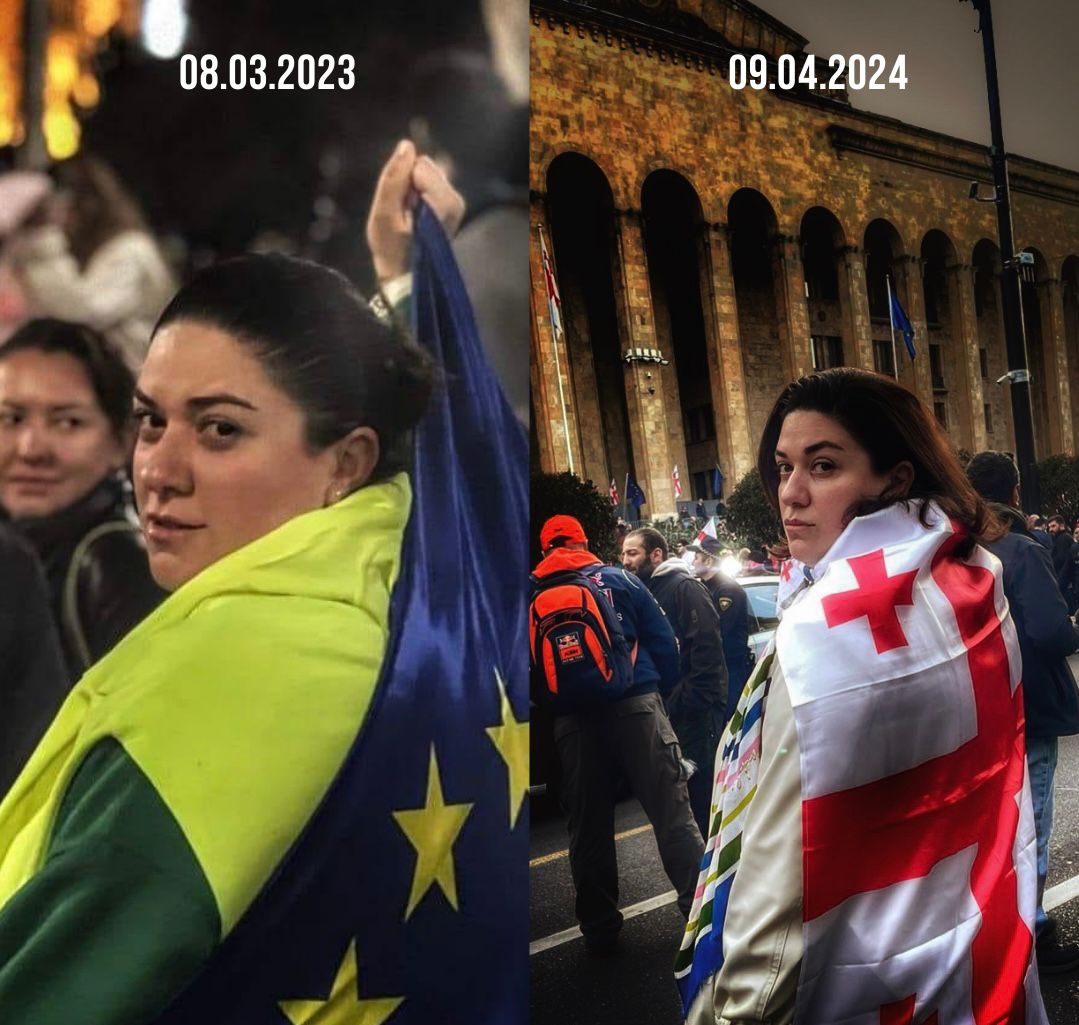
(613, 492)
(919, 857)
(554, 302)
(677, 482)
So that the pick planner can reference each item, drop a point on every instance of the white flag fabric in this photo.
(708, 530)
(919, 855)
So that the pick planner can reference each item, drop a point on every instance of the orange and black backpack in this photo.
(580, 656)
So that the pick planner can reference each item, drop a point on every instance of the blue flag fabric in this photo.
(451, 705)
(901, 323)
(717, 482)
(634, 494)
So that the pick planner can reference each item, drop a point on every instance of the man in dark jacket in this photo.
(698, 703)
(1046, 638)
(632, 735)
(33, 683)
(1064, 551)
(732, 604)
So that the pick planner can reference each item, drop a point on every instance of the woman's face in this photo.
(56, 444)
(823, 474)
(220, 454)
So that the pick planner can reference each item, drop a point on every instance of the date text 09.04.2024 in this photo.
(807, 71)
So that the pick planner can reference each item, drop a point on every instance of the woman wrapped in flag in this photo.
(274, 412)
(871, 856)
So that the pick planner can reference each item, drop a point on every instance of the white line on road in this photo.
(558, 938)
(1054, 897)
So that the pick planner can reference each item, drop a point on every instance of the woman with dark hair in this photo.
(98, 262)
(274, 411)
(65, 439)
(872, 855)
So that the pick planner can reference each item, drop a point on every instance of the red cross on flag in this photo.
(919, 865)
(677, 482)
(613, 492)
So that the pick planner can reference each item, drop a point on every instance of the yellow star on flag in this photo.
(432, 830)
(339, 1008)
(511, 739)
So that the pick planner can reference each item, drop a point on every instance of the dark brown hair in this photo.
(651, 539)
(892, 425)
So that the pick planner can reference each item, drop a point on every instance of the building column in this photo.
(791, 307)
(1058, 385)
(726, 371)
(854, 301)
(553, 408)
(964, 331)
(644, 385)
(911, 292)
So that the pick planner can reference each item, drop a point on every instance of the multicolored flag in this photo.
(613, 492)
(677, 482)
(554, 301)
(919, 850)
(406, 899)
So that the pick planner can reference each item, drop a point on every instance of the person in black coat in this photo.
(1046, 638)
(732, 604)
(1065, 552)
(33, 681)
(65, 436)
(698, 704)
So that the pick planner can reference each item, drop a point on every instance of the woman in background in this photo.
(65, 441)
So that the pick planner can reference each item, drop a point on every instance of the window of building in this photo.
(983, 359)
(882, 358)
(826, 351)
(941, 413)
(936, 369)
(700, 485)
(988, 416)
(698, 424)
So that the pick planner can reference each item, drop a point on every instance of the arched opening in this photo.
(753, 229)
(1036, 326)
(944, 344)
(992, 350)
(580, 212)
(883, 247)
(673, 225)
(830, 340)
(1069, 287)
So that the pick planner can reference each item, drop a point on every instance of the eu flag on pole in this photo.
(634, 494)
(902, 324)
(405, 900)
(717, 482)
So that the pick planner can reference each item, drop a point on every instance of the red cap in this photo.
(562, 526)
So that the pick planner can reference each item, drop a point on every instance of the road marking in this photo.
(1054, 897)
(555, 855)
(558, 938)
(1061, 893)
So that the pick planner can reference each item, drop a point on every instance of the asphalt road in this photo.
(635, 987)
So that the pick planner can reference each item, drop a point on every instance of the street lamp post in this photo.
(32, 154)
(1011, 299)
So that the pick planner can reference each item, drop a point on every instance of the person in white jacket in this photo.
(96, 263)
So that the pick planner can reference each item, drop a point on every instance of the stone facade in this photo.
(799, 206)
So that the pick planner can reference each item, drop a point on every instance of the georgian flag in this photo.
(613, 492)
(708, 530)
(677, 482)
(903, 669)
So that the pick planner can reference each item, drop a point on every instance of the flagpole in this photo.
(891, 326)
(625, 501)
(557, 361)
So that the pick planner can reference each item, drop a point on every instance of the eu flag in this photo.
(405, 900)
(901, 323)
(717, 482)
(634, 494)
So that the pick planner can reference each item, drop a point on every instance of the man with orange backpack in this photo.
(604, 678)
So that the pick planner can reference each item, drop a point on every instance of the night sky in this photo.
(215, 168)
(1037, 67)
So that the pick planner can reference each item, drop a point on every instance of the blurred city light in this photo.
(164, 28)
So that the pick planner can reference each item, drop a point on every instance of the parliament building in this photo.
(712, 244)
